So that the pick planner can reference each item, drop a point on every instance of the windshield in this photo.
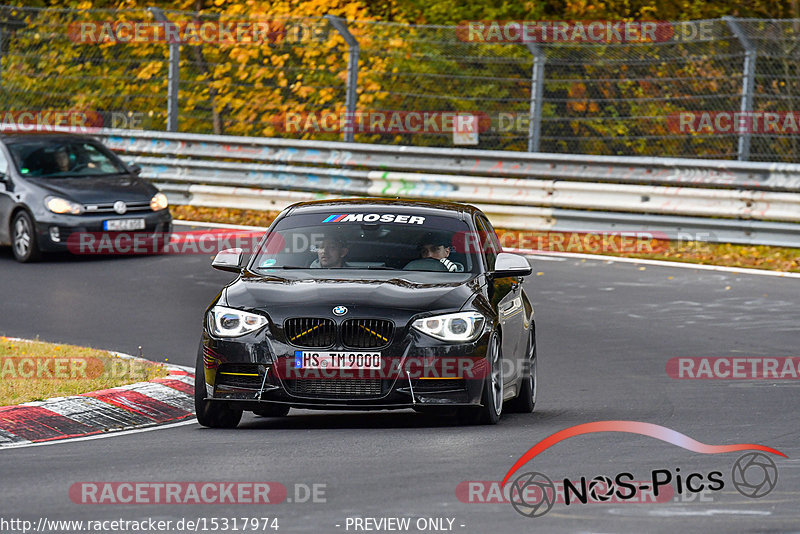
(59, 158)
(374, 240)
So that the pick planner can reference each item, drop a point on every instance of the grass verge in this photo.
(35, 370)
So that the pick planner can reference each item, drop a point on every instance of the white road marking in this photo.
(546, 258)
(685, 512)
(677, 264)
(672, 512)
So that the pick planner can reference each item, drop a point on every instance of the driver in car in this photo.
(62, 159)
(436, 246)
(331, 253)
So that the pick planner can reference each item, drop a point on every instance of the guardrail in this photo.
(714, 200)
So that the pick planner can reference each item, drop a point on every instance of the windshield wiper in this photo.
(381, 268)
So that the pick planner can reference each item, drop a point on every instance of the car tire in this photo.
(492, 399)
(23, 238)
(273, 410)
(525, 401)
(210, 413)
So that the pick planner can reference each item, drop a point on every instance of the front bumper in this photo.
(418, 371)
(71, 227)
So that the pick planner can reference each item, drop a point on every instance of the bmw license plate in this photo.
(121, 225)
(306, 359)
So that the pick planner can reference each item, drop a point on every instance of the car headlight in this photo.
(229, 322)
(61, 205)
(462, 326)
(159, 202)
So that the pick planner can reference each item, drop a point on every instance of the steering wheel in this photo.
(79, 167)
(425, 264)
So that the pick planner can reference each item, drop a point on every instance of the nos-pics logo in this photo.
(533, 494)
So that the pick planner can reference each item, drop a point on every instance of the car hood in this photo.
(99, 189)
(396, 295)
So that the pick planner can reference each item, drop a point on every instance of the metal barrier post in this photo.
(352, 76)
(173, 74)
(748, 80)
(537, 90)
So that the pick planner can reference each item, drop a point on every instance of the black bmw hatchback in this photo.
(370, 304)
(53, 186)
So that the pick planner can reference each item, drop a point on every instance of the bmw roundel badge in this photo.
(339, 310)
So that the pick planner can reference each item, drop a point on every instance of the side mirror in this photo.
(511, 265)
(228, 260)
(135, 168)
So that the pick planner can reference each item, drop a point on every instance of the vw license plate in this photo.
(306, 359)
(117, 225)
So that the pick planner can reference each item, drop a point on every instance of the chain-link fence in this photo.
(304, 78)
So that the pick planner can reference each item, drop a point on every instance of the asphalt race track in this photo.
(605, 334)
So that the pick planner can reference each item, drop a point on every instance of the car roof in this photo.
(452, 209)
(13, 137)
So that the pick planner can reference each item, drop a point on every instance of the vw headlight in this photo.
(61, 205)
(229, 322)
(462, 326)
(159, 202)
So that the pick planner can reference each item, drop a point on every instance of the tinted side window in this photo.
(489, 242)
(492, 235)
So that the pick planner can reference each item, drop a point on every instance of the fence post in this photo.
(748, 81)
(173, 74)
(537, 92)
(352, 76)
